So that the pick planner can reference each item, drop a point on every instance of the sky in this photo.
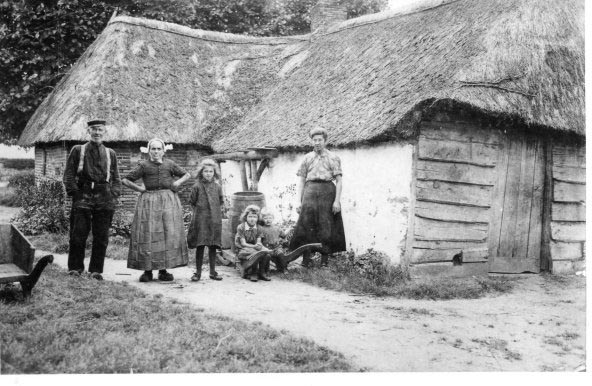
(15, 152)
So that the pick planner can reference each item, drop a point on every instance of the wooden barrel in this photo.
(239, 201)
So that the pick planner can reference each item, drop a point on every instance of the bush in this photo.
(18, 163)
(42, 205)
(122, 223)
(8, 197)
(22, 181)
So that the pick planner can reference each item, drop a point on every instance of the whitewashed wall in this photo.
(375, 199)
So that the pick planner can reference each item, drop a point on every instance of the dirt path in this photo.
(539, 326)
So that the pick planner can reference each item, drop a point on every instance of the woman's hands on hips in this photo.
(175, 186)
(336, 207)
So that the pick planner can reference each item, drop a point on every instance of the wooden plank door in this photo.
(516, 227)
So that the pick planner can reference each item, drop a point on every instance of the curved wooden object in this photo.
(29, 282)
(254, 258)
(290, 257)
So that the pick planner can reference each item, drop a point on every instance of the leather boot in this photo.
(212, 257)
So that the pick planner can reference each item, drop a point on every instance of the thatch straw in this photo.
(363, 79)
(520, 58)
(150, 78)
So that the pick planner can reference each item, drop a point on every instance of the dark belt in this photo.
(319, 181)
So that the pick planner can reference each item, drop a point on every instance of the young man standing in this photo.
(92, 179)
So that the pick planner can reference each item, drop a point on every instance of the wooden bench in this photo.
(16, 259)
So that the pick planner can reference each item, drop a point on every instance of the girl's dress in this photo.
(206, 222)
(250, 234)
(157, 232)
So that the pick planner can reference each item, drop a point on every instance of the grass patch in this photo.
(77, 325)
(499, 345)
(58, 243)
(8, 197)
(343, 275)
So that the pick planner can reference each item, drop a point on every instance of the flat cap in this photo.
(96, 122)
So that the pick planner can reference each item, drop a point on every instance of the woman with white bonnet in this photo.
(157, 234)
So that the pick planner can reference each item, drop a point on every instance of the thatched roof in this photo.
(365, 79)
(151, 78)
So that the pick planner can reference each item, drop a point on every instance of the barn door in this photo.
(516, 227)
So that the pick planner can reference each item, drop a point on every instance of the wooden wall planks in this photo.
(463, 152)
(568, 207)
(568, 192)
(455, 172)
(568, 211)
(451, 212)
(454, 178)
(454, 193)
(426, 229)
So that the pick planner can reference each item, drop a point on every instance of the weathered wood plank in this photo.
(568, 211)
(568, 231)
(11, 272)
(421, 255)
(503, 264)
(451, 212)
(546, 260)
(569, 156)
(559, 148)
(535, 231)
(568, 192)
(510, 204)
(444, 245)
(473, 153)
(455, 172)
(563, 251)
(568, 266)
(525, 199)
(449, 192)
(411, 225)
(5, 244)
(569, 174)
(497, 204)
(461, 132)
(439, 230)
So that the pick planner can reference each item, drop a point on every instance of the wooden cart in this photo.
(16, 259)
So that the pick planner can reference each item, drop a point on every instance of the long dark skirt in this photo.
(317, 223)
(157, 235)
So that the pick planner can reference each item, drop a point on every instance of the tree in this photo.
(41, 39)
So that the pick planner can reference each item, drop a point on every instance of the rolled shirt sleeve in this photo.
(177, 170)
(136, 173)
(335, 166)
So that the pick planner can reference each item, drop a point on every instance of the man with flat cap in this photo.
(92, 179)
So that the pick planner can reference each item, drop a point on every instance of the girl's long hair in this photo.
(203, 164)
(250, 209)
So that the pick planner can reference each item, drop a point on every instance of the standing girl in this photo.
(206, 223)
(157, 233)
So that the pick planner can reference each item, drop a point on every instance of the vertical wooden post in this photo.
(254, 176)
(546, 258)
(407, 256)
(243, 174)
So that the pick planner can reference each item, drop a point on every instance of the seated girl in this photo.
(273, 238)
(248, 244)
